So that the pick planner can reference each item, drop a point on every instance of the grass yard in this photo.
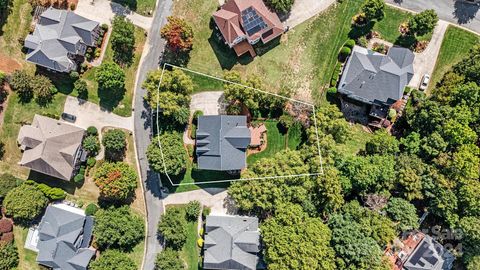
(121, 107)
(276, 142)
(27, 257)
(190, 251)
(304, 59)
(356, 141)
(455, 46)
(16, 28)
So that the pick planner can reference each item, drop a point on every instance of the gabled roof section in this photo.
(61, 239)
(249, 19)
(371, 77)
(231, 242)
(222, 141)
(57, 34)
(50, 146)
(429, 255)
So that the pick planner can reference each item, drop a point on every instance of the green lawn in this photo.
(303, 59)
(190, 251)
(27, 257)
(455, 46)
(294, 136)
(276, 142)
(143, 7)
(356, 141)
(124, 106)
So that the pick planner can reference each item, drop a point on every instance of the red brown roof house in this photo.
(246, 22)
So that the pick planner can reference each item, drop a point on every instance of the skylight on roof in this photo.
(252, 22)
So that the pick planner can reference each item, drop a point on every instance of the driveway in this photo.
(214, 198)
(303, 10)
(103, 11)
(210, 103)
(454, 11)
(424, 62)
(90, 114)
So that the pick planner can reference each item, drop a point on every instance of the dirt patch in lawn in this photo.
(8, 65)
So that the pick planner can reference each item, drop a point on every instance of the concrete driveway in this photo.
(90, 114)
(454, 11)
(303, 10)
(215, 198)
(424, 62)
(103, 11)
(211, 102)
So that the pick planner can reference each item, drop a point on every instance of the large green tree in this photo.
(123, 40)
(115, 142)
(20, 81)
(7, 183)
(169, 156)
(117, 181)
(404, 213)
(374, 9)
(118, 228)
(169, 259)
(382, 143)
(173, 227)
(113, 259)
(110, 78)
(470, 66)
(43, 88)
(293, 240)
(423, 23)
(281, 6)
(470, 227)
(25, 203)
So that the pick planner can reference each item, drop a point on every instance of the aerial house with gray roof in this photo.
(64, 236)
(51, 147)
(60, 39)
(222, 142)
(375, 80)
(232, 242)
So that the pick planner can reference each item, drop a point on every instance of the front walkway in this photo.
(103, 11)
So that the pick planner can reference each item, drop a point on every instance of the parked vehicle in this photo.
(69, 117)
(424, 83)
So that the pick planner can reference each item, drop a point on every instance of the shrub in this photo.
(173, 227)
(205, 212)
(350, 43)
(91, 209)
(8, 256)
(392, 113)
(20, 81)
(115, 143)
(43, 88)
(74, 75)
(91, 144)
(52, 193)
(200, 232)
(25, 203)
(80, 86)
(79, 178)
(116, 181)
(345, 52)
(169, 259)
(362, 41)
(104, 27)
(196, 114)
(280, 6)
(91, 161)
(6, 226)
(118, 228)
(192, 210)
(200, 242)
(113, 259)
(92, 131)
(373, 9)
(7, 183)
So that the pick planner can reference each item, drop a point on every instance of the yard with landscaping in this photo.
(455, 46)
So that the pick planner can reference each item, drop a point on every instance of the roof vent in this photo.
(362, 84)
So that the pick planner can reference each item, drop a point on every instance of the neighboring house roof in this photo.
(64, 238)
(429, 255)
(222, 141)
(51, 147)
(371, 77)
(248, 19)
(57, 34)
(231, 242)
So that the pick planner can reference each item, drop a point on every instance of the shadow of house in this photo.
(131, 4)
(465, 12)
(225, 55)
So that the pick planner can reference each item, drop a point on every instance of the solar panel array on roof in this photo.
(252, 22)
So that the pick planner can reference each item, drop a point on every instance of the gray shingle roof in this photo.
(231, 242)
(222, 141)
(372, 77)
(63, 237)
(57, 34)
(51, 147)
(429, 255)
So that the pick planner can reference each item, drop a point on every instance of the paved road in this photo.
(143, 129)
(454, 11)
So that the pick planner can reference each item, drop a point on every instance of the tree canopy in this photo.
(7, 183)
(281, 6)
(169, 259)
(173, 227)
(118, 228)
(117, 181)
(115, 143)
(178, 34)
(423, 23)
(113, 259)
(123, 40)
(403, 212)
(173, 160)
(110, 78)
(374, 9)
(8, 256)
(25, 203)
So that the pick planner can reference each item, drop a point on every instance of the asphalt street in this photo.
(143, 131)
(454, 11)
